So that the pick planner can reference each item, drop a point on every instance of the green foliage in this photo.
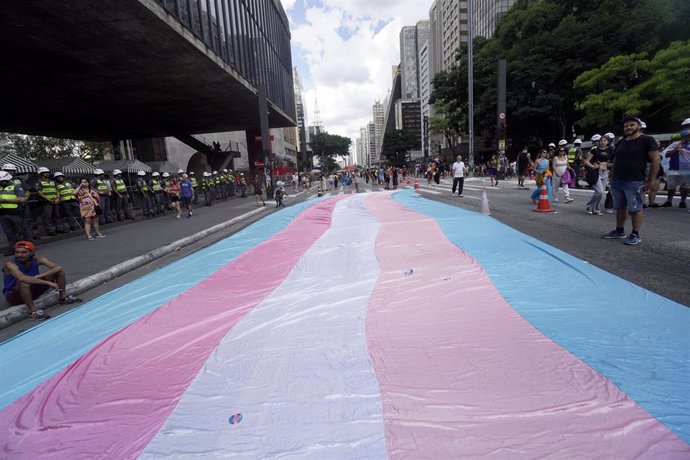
(655, 88)
(548, 44)
(327, 146)
(37, 148)
(397, 144)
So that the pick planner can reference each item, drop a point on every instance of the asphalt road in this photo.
(661, 263)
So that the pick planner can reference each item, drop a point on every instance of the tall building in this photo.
(435, 38)
(364, 137)
(487, 13)
(378, 114)
(408, 62)
(425, 92)
(454, 29)
(371, 146)
(407, 117)
(301, 112)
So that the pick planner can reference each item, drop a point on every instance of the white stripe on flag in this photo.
(297, 367)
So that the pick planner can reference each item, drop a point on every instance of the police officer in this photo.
(69, 206)
(207, 187)
(24, 208)
(157, 190)
(243, 186)
(47, 193)
(145, 192)
(231, 183)
(121, 195)
(195, 186)
(99, 184)
(165, 198)
(11, 198)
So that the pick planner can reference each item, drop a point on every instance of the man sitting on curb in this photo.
(24, 282)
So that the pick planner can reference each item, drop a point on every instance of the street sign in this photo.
(501, 144)
(502, 116)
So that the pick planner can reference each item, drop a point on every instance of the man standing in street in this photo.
(69, 206)
(47, 193)
(629, 178)
(24, 210)
(11, 199)
(101, 186)
(459, 171)
(121, 195)
(145, 191)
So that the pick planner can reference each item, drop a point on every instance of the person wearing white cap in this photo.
(157, 195)
(27, 221)
(207, 188)
(121, 195)
(678, 170)
(47, 194)
(68, 201)
(146, 194)
(12, 196)
(102, 186)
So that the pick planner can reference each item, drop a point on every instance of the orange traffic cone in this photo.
(544, 205)
(416, 184)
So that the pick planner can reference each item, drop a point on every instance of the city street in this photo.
(661, 263)
(387, 321)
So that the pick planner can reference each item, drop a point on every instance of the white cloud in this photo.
(349, 61)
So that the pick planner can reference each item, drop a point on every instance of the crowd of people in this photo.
(88, 203)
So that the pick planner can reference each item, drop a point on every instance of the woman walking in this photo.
(89, 203)
(541, 165)
(173, 191)
(598, 159)
(560, 166)
(258, 190)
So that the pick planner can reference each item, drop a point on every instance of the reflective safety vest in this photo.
(194, 182)
(66, 191)
(243, 181)
(572, 153)
(101, 187)
(216, 180)
(48, 189)
(120, 186)
(143, 186)
(7, 193)
(156, 186)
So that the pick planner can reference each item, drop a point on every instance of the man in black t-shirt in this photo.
(629, 178)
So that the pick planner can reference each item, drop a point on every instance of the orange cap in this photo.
(26, 245)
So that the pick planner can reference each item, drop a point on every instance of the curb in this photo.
(18, 313)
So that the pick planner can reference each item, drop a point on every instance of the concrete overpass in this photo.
(104, 69)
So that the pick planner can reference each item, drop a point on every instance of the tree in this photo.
(655, 89)
(328, 146)
(396, 144)
(37, 148)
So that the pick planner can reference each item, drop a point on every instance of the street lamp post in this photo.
(470, 80)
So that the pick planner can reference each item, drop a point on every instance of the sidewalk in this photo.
(130, 245)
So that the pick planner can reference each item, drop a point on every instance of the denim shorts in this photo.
(627, 194)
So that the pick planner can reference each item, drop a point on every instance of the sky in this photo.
(344, 51)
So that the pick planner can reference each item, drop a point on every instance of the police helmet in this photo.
(141, 173)
(596, 138)
(116, 172)
(43, 169)
(58, 174)
(165, 174)
(562, 142)
(98, 172)
(4, 175)
(9, 167)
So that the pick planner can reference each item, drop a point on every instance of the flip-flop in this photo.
(69, 299)
(36, 316)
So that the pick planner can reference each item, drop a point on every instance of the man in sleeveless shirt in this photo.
(23, 281)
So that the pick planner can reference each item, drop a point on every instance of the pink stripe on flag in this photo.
(112, 401)
(463, 375)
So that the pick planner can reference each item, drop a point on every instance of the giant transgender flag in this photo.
(359, 326)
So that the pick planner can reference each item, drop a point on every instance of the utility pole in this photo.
(470, 79)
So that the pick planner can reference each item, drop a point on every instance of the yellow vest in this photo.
(156, 186)
(7, 193)
(66, 191)
(120, 186)
(101, 187)
(48, 189)
(194, 182)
